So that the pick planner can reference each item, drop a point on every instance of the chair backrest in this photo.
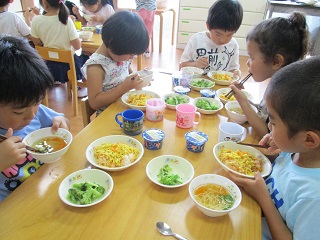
(86, 110)
(63, 56)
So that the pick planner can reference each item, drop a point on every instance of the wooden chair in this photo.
(86, 110)
(64, 56)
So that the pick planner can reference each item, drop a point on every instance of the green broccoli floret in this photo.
(85, 193)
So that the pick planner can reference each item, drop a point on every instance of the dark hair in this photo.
(4, 3)
(93, 2)
(226, 15)
(24, 76)
(293, 93)
(63, 10)
(286, 36)
(125, 33)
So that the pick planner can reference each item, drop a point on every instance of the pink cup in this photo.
(185, 115)
(155, 109)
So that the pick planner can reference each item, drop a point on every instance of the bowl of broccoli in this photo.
(198, 84)
(173, 99)
(208, 105)
(85, 187)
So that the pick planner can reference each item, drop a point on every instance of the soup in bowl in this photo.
(214, 195)
(51, 146)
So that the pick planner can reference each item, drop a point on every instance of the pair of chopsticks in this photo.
(3, 137)
(252, 145)
(229, 94)
(30, 10)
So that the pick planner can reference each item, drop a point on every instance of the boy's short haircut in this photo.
(226, 15)
(4, 3)
(24, 76)
(125, 33)
(293, 93)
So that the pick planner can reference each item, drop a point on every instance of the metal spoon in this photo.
(166, 230)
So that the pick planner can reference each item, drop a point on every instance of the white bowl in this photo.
(185, 98)
(197, 72)
(266, 165)
(146, 76)
(236, 117)
(219, 180)
(223, 91)
(85, 35)
(212, 101)
(113, 139)
(178, 164)
(46, 132)
(209, 84)
(150, 94)
(211, 75)
(86, 175)
(88, 17)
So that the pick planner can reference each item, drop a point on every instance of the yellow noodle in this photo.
(240, 161)
(138, 100)
(115, 154)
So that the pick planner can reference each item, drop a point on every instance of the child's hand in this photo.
(12, 150)
(238, 94)
(237, 73)
(75, 10)
(59, 122)
(202, 62)
(131, 82)
(267, 140)
(255, 187)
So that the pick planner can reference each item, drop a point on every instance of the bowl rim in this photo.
(170, 156)
(222, 82)
(234, 206)
(52, 153)
(267, 164)
(112, 137)
(64, 198)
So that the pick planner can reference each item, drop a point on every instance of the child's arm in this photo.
(12, 150)
(259, 125)
(76, 43)
(201, 62)
(98, 98)
(258, 190)
(37, 41)
(83, 21)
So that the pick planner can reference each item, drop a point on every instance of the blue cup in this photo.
(132, 121)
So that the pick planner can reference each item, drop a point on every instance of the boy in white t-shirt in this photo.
(11, 23)
(216, 49)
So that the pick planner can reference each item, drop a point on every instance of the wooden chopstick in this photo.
(253, 145)
(3, 137)
(230, 93)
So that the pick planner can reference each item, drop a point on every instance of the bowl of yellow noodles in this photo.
(214, 195)
(241, 160)
(137, 99)
(114, 152)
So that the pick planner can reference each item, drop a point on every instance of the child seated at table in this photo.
(100, 9)
(11, 23)
(271, 45)
(55, 29)
(290, 196)
(124, 35)
(25, 79)
(216, 49)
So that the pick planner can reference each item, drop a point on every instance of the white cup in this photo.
(230, 131)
